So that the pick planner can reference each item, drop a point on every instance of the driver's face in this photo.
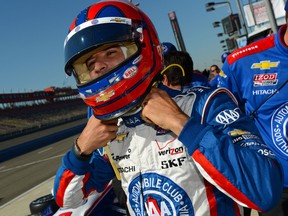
(103, 61)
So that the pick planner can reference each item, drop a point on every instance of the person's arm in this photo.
(158, 107)
(213, 82)
(230, 154)
(228, 79)
(225, 146)
(83, 168)
(225, 77)
(76, 179)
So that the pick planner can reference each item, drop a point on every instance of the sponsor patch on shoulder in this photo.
(227, 117)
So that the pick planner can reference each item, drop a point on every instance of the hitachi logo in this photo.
(248, 49)
(126, 169)
(264, 92)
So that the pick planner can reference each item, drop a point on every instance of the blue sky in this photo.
(33, 32)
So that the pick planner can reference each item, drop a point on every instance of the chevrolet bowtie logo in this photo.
(265, 65)
(105, 96)
(237, 132)
(117, 19)
(121, 137)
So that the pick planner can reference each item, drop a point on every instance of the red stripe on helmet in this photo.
(92, 12)
(73, 25)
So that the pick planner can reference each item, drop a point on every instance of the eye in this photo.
(111, 52)
(90, 65)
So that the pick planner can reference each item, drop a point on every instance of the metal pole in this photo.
(226, 2)
(230, 8)
(241, 17)
(271, 16)
(252, 11)
(176, 30)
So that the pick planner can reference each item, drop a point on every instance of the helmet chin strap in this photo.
(138, 107)
(133, 111)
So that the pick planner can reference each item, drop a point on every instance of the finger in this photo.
(112, 128)
(155, 89)
(144, 103)
(110, 122)
(147, 120)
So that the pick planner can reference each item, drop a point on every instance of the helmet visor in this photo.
(95, 33)
(101, 61)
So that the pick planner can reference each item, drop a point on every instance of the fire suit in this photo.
(214, 167)
(214, 81)
(257, 75)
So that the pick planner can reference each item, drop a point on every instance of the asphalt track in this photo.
(22, 173)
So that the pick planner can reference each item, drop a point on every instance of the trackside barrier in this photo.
(26, 131)
(15, 151)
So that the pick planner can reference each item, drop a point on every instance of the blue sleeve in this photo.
(228, 81)
(213, 82)
(89, 112)
(99, 169)
(76, 179)
(230, 153)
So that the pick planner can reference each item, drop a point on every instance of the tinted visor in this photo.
(95, 35)
(101, 61)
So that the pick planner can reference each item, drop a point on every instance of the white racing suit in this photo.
(218, 162)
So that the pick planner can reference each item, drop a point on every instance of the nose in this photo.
(99, 69)
(100, 66)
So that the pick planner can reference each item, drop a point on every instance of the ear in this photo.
(165, 80)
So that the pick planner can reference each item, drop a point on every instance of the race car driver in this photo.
(188, 155)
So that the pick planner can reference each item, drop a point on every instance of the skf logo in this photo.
(265, 79)
(265, 65)
(176, 162)
(105, 96)
(228, 116)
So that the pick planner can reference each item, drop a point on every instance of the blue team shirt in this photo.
(257, 75)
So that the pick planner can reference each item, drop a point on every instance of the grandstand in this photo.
(21, 113)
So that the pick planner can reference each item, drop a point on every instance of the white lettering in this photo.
(264, 92)
(244, 50)
(227, 116)
(135, 191)
(281, 114)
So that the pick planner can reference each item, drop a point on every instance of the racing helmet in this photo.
(224, 56)
(122, 86)
(167, 47)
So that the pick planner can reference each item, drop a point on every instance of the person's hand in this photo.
(96, 134)
(160, 109)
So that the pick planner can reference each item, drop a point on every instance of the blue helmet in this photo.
(105, 25)
(224, 56)
(167, 47)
